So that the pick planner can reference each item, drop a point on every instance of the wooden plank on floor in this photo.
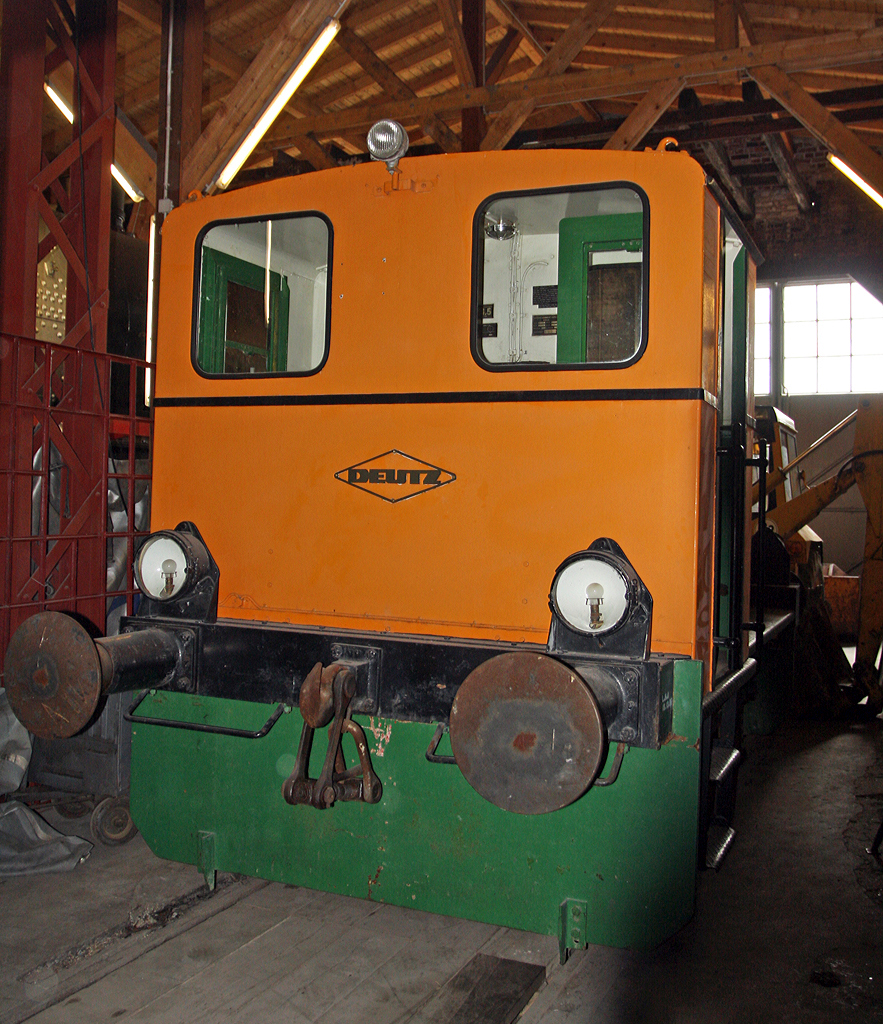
(488, 990)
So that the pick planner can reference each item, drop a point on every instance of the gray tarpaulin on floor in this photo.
(28, 845)
(15, 748)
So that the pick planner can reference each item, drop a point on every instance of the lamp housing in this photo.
(177, 576)
(599, 604)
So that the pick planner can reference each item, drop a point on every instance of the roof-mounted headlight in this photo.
(388, 141)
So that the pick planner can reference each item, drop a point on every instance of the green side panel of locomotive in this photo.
(628, 851)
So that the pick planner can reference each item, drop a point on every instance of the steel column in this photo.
(22, 62)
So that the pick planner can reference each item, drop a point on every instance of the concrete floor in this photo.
(789, 930)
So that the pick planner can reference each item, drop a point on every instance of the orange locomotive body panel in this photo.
(301, 539)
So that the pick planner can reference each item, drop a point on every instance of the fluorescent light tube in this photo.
(856, 179)
(131, 191)
(303, 68)
(59, 102)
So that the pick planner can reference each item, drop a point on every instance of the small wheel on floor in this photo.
(75, 806)
(111, 823)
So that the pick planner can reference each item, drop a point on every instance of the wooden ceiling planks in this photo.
(614, 67)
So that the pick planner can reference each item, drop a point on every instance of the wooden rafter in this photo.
(646, 113)
(793, 55)
(781, 152)
(225, 60)
(473, 123)
(537, 51)
(147, 13)
(368, 60)
(746, 22)
(504, 51)
(555, 63)
(314, 153)
(447, 10)
(245, 101)
(136, 157)
(833, 134)
(778, 144)
(716, 155)
(726, 25)
(445, 70)
(505, 13)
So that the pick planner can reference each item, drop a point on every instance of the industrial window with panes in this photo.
(830, 339)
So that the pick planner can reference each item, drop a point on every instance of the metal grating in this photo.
(75, 445)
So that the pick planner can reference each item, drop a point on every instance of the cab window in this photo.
(263, 296)
(561, 279)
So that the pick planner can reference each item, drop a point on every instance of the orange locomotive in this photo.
(436, 450)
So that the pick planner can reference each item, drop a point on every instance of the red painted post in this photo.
(22, 63)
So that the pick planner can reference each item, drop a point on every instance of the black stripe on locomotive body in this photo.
(446, 398)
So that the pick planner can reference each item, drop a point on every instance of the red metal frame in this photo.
(64, 443)
(51, 543)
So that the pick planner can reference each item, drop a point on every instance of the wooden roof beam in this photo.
(507, 15)
(385, 77)
(779, 147)
(228, 9)
(148, 13)
(243, 104)
(832, 133)
(231, 64)
(646, 113)
(504, 51)
(716, 154)
(726, 25)
(623, 80)
(223, 59)
(473, 124)
(830, 18)
(134, 155)
(726, 120)
(450, 19)
(314, 153)
(554, 62)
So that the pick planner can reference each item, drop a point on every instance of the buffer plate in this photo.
(527, 733)
(53, 675)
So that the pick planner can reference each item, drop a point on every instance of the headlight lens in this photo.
(591, 595)
(388, 141)
(169, 564)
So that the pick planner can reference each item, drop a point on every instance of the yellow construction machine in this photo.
(792, 505)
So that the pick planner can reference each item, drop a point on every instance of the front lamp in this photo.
(590, 594)
(170, 564)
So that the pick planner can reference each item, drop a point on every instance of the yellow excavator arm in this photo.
(787, 519)
(864, 468)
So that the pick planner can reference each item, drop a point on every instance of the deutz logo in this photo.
(394, 476)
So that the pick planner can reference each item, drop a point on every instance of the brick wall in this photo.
(843, 227)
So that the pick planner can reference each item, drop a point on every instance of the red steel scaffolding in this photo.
(75, 466)
(74, 430)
